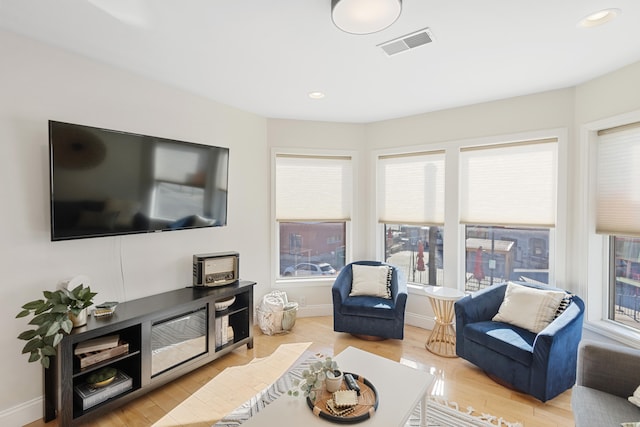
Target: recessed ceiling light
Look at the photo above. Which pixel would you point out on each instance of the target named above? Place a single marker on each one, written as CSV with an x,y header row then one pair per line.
x,y
599,18
316,95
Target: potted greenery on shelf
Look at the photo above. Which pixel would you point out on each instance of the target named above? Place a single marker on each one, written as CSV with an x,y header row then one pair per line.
x,y
53,318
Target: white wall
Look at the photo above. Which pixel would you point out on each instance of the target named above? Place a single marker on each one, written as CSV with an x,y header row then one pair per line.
x,y
546,110
612,94
39,83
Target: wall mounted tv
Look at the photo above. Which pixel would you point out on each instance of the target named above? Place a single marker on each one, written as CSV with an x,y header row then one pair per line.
x,y
106,183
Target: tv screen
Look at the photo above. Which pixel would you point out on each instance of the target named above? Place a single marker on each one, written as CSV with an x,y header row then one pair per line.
x,y
105,183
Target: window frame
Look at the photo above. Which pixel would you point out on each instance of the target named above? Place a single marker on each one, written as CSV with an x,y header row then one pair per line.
x,y
323,281
454,231
384,216
594,249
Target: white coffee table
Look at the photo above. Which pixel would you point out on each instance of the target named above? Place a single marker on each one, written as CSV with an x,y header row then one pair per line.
x,y
400,388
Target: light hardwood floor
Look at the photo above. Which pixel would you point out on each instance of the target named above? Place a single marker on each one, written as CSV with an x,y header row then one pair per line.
x,y
461,382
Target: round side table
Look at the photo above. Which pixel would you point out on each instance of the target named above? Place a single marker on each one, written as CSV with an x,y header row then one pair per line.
x,y
442,340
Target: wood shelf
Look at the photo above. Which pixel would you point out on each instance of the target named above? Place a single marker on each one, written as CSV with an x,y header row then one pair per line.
x,y
133,321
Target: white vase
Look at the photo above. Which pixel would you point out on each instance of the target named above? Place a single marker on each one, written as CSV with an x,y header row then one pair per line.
x,y
333,383
80,319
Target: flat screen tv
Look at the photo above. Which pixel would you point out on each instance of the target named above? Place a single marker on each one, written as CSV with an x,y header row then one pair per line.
x,y
107,183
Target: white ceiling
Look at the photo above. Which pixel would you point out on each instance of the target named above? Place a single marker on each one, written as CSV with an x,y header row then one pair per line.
x,y
265,56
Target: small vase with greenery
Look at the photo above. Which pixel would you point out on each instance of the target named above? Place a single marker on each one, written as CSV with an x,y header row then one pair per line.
x,y
52,321
313,378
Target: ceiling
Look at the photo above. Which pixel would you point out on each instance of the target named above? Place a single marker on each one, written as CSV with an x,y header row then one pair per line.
x,y
265,56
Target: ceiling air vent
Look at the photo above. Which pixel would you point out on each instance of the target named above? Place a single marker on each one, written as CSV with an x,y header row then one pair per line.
x,y
407,42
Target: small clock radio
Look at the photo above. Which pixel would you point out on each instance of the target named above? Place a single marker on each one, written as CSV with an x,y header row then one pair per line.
x,y
216,269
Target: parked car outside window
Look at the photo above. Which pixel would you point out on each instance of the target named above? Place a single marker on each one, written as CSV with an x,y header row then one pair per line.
x,y
310,269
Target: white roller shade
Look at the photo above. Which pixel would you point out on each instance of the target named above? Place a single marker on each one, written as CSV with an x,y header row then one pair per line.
x,y
310,188
509,184
411,188
618,181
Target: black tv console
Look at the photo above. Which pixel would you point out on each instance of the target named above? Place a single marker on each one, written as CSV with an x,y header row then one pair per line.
x,y
134,321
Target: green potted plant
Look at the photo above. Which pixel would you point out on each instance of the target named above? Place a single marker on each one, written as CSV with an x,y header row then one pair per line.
x,y
313,378
53,318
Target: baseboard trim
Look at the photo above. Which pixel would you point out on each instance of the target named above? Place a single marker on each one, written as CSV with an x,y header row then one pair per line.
x,y
316,310
419,320
23,413
412,319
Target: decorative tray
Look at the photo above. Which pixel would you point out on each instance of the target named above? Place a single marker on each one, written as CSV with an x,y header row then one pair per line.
x,y
364,409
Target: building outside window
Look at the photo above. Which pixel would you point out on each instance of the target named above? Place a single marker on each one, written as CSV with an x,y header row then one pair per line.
x,y
499,254
313,212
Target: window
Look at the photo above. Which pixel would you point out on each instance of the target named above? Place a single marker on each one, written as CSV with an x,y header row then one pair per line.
x,y
411,210
625,281
416,251
311,248
313,209
498,254
617,213
508,206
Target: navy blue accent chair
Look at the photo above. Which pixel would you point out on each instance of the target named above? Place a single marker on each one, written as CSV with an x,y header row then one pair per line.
x,y
542,365
368,315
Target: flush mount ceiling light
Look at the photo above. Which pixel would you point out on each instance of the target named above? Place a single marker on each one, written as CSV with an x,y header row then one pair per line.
x,y
599,18
316,95
364,16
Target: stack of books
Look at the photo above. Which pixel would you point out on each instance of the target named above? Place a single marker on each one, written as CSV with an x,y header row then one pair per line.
x,y
88,395
100,349
221,325
105,309
224,331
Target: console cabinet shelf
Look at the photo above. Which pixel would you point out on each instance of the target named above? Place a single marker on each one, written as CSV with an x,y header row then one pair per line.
x,y
153,327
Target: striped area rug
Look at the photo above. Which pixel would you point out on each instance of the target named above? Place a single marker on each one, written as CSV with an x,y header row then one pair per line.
x,y
230,388
439,413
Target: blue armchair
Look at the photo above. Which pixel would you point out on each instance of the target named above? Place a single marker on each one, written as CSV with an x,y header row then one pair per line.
x,y
542,365
369,316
